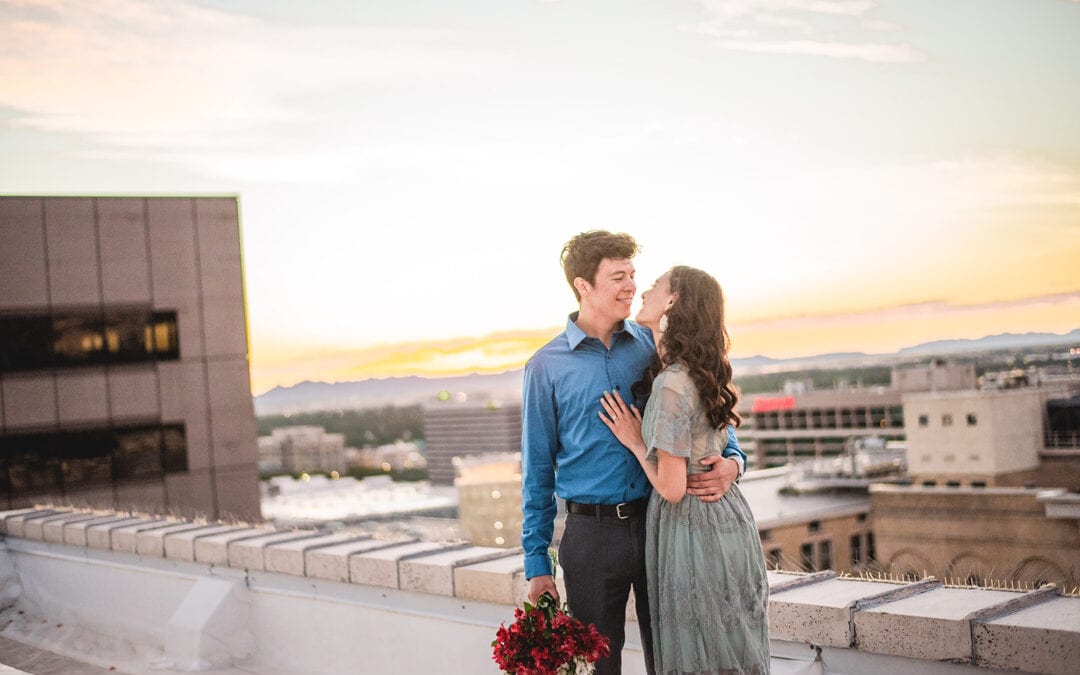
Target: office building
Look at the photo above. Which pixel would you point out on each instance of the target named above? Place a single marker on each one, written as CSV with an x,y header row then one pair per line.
x,y
124,379
300,449
803,424
489,498
460,429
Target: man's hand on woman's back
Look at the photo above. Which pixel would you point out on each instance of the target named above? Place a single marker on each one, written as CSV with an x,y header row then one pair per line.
x,y
712,485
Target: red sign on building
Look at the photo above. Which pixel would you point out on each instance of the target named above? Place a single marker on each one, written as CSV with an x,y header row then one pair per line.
x,y
772,403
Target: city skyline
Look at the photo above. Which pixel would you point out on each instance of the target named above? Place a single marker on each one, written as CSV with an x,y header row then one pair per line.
x,y
859,175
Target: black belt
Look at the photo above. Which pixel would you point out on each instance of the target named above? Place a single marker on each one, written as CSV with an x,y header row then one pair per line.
x,y
620,511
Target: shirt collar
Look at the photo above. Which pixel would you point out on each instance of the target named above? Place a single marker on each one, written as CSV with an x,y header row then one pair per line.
x,y
575,336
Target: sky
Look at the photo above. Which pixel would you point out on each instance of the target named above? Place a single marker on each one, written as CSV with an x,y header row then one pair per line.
x,y
859,175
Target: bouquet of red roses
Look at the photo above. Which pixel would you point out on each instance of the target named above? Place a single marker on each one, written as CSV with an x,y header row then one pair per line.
x,y
546,640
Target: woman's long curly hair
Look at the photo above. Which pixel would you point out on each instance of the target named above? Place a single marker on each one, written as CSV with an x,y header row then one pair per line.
x,y
697,338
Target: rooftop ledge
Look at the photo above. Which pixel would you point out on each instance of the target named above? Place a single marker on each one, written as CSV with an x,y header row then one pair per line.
x,y
137,593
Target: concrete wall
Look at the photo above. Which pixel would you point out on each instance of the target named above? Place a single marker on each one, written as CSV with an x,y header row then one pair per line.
x,y
178,596
998,534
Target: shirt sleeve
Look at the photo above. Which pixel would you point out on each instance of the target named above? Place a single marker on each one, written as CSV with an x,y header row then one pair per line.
x,y
674,417
539,442
733,450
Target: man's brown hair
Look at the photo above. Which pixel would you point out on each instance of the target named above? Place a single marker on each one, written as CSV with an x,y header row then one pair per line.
x,y
582,255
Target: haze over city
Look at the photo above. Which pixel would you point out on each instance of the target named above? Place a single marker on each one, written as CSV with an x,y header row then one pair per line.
x,y
859,175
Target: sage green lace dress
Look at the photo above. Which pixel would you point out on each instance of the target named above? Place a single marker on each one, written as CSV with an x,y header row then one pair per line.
x,y
706,571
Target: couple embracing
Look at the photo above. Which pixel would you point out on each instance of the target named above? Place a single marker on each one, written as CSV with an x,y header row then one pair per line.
x,y
631,423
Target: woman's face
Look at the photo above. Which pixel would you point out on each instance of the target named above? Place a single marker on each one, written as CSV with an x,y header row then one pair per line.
x,y
655,301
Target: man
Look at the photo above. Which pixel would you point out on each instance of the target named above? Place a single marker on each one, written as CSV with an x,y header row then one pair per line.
x,y
567,450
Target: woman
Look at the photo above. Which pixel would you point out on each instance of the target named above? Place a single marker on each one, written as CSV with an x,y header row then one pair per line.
x,y
706,570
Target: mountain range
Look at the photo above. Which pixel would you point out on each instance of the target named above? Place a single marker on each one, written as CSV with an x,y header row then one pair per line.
x,y
311,396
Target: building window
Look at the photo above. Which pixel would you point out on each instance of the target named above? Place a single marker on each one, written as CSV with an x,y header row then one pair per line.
x,y
765,535
871,554
859,418
978,483
845,418
776,555
952,483
861,517
857,550
814,526
86,338
806,553
946,420
825,555
924,420
972,419
55,462
929,483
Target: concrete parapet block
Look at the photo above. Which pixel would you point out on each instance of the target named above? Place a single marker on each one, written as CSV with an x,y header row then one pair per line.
x,y
491,581
289,557
1043,638
123,539
818,612
100,536
53,530
934,625
785,581
76,532
34,528
208,629
332,562
249,554
181,545
6,515
435,573
152,542
380,567
15,525
214,549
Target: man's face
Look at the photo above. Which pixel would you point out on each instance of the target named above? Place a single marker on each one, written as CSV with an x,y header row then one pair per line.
x,y
609,298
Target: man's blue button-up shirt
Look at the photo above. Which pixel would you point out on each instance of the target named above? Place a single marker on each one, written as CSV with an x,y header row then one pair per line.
x,y
565,448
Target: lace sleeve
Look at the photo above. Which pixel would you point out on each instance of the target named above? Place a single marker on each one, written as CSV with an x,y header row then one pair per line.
x,y
673,396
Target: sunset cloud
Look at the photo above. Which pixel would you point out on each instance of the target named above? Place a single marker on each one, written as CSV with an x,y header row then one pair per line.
x,y
202,87
804,27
